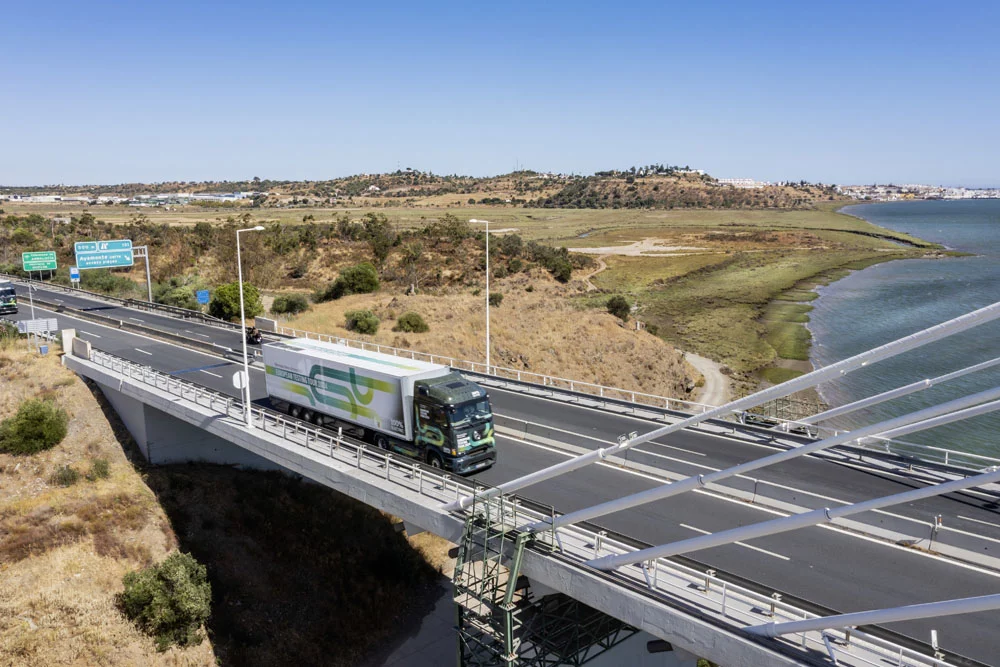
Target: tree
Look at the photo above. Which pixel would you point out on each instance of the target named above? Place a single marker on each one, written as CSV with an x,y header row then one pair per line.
x,y
37,425
412,252
169,601
225,303
619,307
291,304
381,236
358,279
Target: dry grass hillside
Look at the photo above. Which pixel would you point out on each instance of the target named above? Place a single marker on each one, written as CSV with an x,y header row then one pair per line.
x,y
539,331
64,550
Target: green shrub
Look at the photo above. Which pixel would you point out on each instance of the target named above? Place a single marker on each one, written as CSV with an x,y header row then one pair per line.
x,y
8,330
291,304
496,298
515,265
37,425
411,323
358,279
64,476
225,303
653,329
169,601
500,272
619,307
362,321
99,469
103,280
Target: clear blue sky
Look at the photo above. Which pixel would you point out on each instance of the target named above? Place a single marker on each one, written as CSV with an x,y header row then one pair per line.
x,y
95,92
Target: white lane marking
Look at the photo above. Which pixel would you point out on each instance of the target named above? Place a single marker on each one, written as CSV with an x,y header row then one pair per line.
x,y
143,351
90,334
210,373
742,544
195,333
767,510
987,523
136,319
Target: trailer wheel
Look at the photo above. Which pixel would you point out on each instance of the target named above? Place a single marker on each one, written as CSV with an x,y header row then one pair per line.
x,y
307,415
382,442
434,461
295,411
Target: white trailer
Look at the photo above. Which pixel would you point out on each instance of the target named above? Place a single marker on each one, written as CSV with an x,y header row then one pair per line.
x,y
369,389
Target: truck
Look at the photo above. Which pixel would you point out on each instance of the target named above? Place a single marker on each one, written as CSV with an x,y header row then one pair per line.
x,y
425,411
8,297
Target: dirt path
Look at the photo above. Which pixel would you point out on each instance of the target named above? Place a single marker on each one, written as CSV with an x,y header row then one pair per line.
x,y
601,266
716,389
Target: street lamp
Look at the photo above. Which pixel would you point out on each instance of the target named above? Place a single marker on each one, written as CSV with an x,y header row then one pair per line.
x,y
243,324
487,223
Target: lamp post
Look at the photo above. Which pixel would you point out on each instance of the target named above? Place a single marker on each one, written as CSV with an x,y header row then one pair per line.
x,y
243,324
487,223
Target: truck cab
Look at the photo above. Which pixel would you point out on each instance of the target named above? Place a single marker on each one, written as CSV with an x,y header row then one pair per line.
x,y
453,424
8,297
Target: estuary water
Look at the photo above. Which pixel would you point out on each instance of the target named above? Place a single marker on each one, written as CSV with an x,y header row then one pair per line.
x,y
887,301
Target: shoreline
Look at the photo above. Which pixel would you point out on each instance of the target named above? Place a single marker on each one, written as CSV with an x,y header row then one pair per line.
x,y
813,286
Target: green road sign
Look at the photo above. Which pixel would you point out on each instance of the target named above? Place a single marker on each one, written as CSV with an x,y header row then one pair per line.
x,y
39,261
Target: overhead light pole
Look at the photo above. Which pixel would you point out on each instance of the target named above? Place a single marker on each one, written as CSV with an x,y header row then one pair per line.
x,y
487,223
243,324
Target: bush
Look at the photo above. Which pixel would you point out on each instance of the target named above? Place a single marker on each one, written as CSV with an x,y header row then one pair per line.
x,y
225,303
103,280
362,321
619,307
8,330
515,265
291,304
358,279
653,329
36,426
64,476
411,323
99,469
169,601
496,298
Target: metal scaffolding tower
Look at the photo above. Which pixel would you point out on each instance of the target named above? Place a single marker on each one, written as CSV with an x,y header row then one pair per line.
x,y
500,622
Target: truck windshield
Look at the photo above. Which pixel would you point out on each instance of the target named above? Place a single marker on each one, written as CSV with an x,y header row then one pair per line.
x,y
470,411
7,293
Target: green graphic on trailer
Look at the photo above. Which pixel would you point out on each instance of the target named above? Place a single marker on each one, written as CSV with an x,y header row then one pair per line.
x,y
356,397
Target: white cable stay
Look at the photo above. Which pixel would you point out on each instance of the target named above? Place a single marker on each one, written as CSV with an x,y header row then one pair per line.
x,y
932,417
796,521
898,392
879,616
839,369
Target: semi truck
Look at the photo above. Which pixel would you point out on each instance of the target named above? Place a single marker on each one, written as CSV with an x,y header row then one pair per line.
x,y
8,297
421,410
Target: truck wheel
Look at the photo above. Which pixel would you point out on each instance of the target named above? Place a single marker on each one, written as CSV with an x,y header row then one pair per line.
x,y
434,461
382,442
295,411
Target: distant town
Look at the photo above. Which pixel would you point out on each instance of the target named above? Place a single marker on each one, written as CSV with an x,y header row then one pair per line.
x,y
905,192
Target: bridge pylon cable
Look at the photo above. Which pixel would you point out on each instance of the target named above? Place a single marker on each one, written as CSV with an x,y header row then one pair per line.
x,y
898,392
879,616
793,522
932,417
905,344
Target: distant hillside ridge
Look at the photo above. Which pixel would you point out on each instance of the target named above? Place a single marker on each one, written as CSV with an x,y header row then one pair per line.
x,y
649,187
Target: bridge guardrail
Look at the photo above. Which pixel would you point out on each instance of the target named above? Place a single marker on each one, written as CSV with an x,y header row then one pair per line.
x,y
667,581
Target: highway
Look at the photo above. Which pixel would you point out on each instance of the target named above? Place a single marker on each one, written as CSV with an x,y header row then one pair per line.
x,y
824,565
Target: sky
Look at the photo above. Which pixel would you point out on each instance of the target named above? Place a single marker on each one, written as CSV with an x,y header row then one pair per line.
x,y
845,93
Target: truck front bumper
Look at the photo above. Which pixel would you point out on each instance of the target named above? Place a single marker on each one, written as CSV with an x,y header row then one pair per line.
x,y
470,463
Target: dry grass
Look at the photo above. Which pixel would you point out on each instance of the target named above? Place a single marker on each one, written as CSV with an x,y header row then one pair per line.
x,y
64,550
539,331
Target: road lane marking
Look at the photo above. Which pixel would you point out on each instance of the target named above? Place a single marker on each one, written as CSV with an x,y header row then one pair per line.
x,y
210,373
90,334
987,523
136,319
143,351
742,544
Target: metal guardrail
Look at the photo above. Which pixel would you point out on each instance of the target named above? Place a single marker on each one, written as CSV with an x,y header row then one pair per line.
x,y
665,581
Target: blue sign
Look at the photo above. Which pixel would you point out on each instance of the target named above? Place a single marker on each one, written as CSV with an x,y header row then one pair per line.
x,y
202,295
74,274
101,246
104,260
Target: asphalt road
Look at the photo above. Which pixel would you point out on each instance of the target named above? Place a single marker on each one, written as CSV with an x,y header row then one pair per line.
x,y
827,566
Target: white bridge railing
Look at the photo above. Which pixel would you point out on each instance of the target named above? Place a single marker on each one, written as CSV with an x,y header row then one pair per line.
x,y
665,581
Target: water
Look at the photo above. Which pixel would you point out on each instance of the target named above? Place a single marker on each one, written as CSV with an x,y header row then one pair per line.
x,y
887,301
